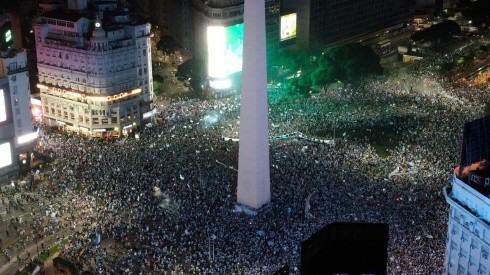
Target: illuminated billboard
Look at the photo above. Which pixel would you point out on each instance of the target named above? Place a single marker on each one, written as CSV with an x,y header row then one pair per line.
x,y
6,36
225,50
6,155
288,26
3,108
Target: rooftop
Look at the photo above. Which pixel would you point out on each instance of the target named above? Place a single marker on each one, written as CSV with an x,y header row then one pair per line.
x,y
66,15
474,168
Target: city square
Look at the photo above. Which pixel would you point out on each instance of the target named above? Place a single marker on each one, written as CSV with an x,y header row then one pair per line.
x,y
159,196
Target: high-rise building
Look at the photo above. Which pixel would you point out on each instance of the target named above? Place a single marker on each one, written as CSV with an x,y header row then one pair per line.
x,y
17,135
180,22
468,237
172,18
157,11
94,68
322,22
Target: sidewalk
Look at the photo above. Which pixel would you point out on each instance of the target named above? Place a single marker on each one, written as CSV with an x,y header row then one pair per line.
x,y
14,265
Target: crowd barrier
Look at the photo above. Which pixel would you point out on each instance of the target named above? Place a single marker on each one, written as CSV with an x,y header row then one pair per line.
x,y
294,135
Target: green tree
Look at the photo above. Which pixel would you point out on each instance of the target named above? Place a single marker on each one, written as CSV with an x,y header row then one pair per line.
x,y
477,11
191,68
324,76
157,87
167,45
291,61
439,33
346,63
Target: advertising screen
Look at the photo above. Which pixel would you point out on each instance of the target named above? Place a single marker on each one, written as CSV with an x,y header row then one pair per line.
x,y
6,36
6,155
3,108
225,50
288,26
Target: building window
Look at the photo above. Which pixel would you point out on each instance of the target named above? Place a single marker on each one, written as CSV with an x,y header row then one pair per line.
x,y
484,253
461,269
463,253
482,269
453,245
474,244
13,66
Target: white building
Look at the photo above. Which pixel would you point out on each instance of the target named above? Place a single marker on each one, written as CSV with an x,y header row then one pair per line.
x,y
468,239
94,63
17,136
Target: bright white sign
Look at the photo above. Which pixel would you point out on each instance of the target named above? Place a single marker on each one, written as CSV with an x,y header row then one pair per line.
x,y
3,112
6,155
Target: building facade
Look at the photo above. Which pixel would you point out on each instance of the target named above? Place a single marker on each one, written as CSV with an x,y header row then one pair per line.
x,y
94,67
157,10
180,22
227,13
468,237
323,22
17,135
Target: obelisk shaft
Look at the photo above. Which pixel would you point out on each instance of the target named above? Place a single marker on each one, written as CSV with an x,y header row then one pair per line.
x,y
253,158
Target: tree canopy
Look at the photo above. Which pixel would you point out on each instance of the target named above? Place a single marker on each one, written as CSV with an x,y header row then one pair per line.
x,y
439,33
346,63
294,60
477,11
167,45
192,68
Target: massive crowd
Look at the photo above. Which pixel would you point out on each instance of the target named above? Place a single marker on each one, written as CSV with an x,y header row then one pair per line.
x,y
164,203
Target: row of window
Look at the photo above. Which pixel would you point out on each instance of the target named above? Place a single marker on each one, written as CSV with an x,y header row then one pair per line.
x,y
462,270
18,120
95,120
113,60
52,110
62,23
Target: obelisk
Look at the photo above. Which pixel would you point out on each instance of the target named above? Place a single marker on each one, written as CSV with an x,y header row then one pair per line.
x,y
253,188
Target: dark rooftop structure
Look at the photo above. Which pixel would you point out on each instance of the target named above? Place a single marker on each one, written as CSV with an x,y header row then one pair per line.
x,y
346,248
476,141
474,167
67,15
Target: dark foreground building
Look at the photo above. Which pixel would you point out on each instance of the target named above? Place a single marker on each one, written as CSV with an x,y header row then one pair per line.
x,y
346,248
